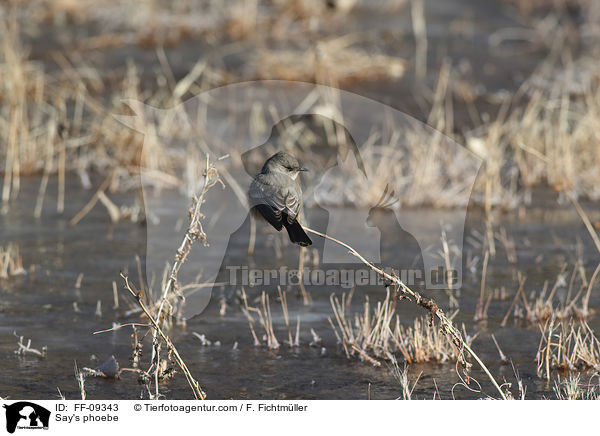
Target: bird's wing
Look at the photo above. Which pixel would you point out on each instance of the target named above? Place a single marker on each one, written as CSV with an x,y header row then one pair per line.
x,y
270,215
292,204
282,200
266,194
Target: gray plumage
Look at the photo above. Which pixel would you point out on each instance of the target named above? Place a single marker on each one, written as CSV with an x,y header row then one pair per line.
x,y
277,197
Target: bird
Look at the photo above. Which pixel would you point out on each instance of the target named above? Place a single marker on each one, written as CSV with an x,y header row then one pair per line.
x,y
276,196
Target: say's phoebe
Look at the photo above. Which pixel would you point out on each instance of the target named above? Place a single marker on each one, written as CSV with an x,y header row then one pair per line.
x,y
276,195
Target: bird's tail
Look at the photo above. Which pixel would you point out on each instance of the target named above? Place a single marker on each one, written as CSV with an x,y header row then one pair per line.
x,y
297,233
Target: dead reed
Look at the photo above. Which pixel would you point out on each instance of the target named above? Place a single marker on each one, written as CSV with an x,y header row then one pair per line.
x,y
11,263
26,348
159,371
80,377
161,317
265,319
572,388
543,305
445,325
567,347
377,334
541,136
401,376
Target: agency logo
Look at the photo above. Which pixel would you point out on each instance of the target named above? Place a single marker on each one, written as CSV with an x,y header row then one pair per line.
x,y
26,415
367,165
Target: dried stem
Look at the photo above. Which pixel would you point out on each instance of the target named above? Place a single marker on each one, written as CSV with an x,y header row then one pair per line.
x,y
198,392
194,233
446,325
90,204
585,219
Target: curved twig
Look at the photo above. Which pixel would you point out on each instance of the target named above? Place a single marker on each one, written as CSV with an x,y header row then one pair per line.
x,y
446,325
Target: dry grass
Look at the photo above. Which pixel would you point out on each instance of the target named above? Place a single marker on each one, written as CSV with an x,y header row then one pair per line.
x,y
401,376
330,62
567,347
263,313
572,388
547,141
61,124
11,263
377,334
26,348
543,305
159,310
162,370
37,136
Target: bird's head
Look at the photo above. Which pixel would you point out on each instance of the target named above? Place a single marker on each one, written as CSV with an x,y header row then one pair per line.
x,y
283,162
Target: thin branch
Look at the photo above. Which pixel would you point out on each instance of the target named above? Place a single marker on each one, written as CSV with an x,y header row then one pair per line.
x,y
198,392
446,325
194,233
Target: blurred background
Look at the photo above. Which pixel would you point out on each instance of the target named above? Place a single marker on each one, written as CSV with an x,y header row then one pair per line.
x,y
516,82
509,79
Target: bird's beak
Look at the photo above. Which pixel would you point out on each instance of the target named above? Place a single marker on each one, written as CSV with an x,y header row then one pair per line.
x,y
303,169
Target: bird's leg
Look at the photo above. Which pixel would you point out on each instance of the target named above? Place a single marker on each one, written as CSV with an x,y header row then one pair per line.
x,y
301,259
252,238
